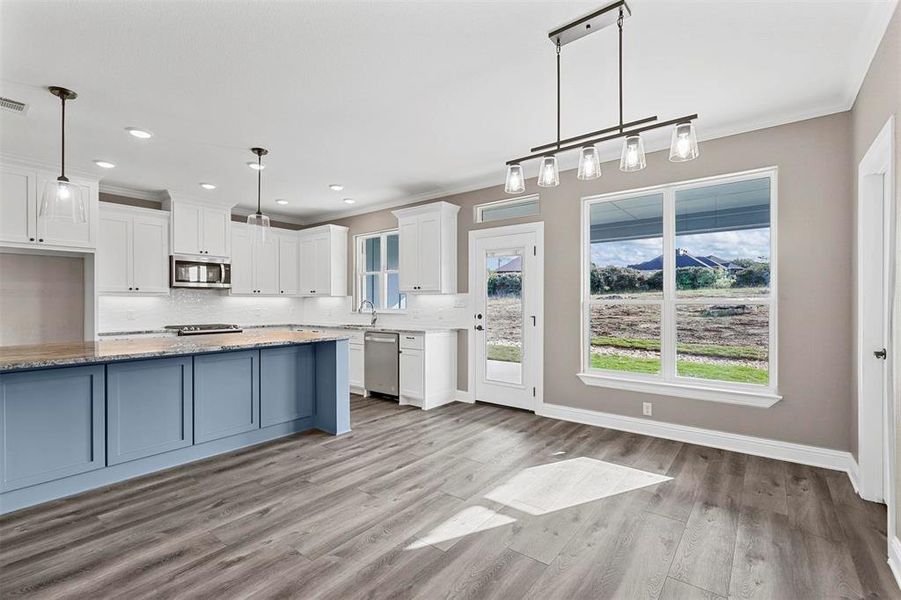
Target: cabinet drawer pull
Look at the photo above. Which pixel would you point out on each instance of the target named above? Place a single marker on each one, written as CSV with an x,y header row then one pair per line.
x,y
30,239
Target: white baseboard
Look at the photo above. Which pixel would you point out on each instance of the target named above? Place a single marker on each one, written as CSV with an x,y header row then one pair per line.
x,y
798,453
464,396
854,475
894,559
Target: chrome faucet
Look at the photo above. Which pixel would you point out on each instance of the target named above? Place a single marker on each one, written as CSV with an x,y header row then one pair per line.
x,y
375,315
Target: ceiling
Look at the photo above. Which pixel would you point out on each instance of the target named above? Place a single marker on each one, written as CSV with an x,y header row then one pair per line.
x,y
398,101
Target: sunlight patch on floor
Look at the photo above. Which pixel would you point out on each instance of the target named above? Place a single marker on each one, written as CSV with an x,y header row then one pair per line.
x,y
465,522
555,486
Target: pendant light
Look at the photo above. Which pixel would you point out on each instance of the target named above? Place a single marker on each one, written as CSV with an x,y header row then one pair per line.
x,y
62,201
258,219
684,144
589,164
633,158
515,182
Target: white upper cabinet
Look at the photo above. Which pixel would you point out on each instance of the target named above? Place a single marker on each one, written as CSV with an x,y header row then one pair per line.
x,y
288,264
199,228
323,261
133,250
21,226
255,266
427,235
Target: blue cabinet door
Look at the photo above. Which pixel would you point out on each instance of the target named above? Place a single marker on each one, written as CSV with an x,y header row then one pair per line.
x,y
149,407
287,384
51,425
226,394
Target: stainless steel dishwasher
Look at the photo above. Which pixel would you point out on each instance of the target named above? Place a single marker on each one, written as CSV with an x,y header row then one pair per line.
x,y
381,356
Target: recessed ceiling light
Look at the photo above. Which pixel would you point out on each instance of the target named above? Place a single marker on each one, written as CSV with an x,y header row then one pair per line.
x,y
349,201
208,186
336,187
141,134
255,166
104,164
282,202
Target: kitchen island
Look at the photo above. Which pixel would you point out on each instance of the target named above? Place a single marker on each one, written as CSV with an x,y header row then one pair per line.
x,y
77,416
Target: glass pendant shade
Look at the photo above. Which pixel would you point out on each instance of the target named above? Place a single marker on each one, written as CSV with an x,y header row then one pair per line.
x,y
684,145
633,158
63,201
261,226
589,164
548,173
515,183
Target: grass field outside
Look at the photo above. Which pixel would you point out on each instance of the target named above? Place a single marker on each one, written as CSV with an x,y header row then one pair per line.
x,y
717,371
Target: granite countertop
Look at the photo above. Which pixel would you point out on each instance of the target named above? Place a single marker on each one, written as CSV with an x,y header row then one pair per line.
x,y
348,326
14,358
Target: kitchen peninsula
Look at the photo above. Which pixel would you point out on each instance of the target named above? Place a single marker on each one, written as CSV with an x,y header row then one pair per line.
x,y
77,416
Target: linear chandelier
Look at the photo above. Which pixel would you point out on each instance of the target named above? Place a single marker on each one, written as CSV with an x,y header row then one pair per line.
x,y
683,147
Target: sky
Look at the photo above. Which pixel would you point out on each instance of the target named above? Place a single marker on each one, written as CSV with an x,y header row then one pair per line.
x,y
730,245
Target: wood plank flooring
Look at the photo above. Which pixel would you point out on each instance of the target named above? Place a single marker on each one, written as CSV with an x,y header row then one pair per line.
x,y
458,502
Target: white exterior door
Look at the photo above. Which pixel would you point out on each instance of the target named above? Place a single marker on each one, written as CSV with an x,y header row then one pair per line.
x,y
150,252
506,287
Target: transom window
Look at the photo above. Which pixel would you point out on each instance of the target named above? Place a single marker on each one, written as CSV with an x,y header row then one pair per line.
x,y
376,271
679,288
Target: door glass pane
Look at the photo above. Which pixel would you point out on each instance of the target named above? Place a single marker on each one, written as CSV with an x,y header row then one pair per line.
x,y
373,251
627,248
372,289
625,337
723,239
504,319
396,300
725,342
392,252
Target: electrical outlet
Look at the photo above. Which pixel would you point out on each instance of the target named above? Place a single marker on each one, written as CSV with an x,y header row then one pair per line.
x,y
647,409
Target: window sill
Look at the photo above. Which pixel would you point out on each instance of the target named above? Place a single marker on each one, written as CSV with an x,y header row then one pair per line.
x,y
761,399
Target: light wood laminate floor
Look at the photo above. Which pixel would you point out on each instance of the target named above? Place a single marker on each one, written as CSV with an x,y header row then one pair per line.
x,y
464,502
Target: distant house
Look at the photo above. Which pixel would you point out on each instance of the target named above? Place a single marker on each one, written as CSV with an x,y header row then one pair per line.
x,y
684,258
514,266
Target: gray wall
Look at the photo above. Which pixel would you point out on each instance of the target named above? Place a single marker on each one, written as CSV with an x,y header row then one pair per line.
x,y
815,209
41,299
880,97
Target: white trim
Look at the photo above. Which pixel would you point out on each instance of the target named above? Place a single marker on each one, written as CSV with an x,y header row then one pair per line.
x,y
854,476
874,451
697,391
359,244
133,193
536,227
668,381
816,456
479,209
894,558
463,396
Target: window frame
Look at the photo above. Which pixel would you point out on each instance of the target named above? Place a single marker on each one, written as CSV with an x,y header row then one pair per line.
x,y
479,209
360,271
668,382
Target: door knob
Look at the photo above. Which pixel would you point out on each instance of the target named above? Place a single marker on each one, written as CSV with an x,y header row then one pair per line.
x,y
880,354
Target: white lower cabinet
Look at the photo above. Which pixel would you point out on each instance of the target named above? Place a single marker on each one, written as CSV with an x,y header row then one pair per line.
x,y
356,366
412,372
428,368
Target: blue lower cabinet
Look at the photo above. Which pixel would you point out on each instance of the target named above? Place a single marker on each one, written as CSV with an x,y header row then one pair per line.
x,y
149,408
287,384
226,394
51,425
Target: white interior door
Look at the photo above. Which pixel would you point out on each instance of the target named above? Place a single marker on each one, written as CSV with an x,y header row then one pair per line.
x,y
506,288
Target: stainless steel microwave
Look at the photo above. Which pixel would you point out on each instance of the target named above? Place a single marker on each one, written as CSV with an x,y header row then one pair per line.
x,y
199,272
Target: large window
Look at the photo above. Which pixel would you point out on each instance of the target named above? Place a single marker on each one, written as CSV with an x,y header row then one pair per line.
x,y
679,289
376,271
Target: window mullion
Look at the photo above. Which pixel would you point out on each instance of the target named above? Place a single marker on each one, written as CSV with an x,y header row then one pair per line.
x,y
668,312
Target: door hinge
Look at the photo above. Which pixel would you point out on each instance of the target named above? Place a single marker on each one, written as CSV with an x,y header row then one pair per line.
x,y
881,354
534,250
533,392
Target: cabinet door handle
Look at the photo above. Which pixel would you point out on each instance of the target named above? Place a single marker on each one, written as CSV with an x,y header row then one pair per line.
x,y
137,289
30,239
40,239
129,289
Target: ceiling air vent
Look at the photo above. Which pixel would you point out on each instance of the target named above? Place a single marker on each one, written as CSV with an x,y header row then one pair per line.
x,y
13,105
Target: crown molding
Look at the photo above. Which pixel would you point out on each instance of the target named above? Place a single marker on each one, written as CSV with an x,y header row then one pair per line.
x,y
129,192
